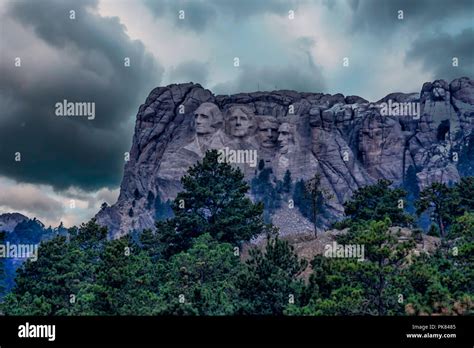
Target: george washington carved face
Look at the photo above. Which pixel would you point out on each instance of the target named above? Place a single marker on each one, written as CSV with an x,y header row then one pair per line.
x,y
240,121
207,118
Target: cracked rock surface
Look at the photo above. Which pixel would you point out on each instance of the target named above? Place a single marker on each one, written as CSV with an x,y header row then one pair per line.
x,y
348,140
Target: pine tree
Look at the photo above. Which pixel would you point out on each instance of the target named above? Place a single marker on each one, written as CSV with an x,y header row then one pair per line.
x,y
287,182
212,201
465,191
442,202
201,280
124,284
443,283
43,287
316,195
377,202
301,199
466,157
270,282
350,286
46,286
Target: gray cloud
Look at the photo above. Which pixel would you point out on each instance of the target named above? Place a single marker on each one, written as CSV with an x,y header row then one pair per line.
x,y
190,71
304,75
436,54
32,200
293,77
200,13
197,13
79,60
380,16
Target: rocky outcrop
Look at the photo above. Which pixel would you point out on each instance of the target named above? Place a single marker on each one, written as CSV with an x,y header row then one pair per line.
x,y
307,246
9,221
349,141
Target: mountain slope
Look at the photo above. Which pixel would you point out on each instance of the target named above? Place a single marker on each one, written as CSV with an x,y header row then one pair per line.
x,y
349,141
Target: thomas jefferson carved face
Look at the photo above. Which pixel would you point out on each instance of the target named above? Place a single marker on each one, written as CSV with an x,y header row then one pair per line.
x,y
268,131
240,121
207,118
285,137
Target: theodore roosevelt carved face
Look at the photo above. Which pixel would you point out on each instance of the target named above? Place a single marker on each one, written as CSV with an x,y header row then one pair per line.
x,y
267,131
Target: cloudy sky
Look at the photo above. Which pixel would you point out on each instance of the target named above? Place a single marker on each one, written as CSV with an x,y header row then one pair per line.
x,y
77,161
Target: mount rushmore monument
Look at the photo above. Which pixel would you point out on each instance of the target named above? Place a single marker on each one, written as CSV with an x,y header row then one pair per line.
x,y
349,141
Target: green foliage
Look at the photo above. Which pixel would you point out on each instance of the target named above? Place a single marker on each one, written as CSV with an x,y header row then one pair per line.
x,y
45,286
270,280
466,157
121,284
266,192
316,195
204,276
150,243
29,231
461,251
433,231
464,227
309,197
465,192
286,185
190,264
214,202
347,286
439,285
161,209
442,202
302,200
377,202
287,182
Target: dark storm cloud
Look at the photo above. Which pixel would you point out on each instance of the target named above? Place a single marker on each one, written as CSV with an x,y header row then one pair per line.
x,y
199,13
436,54
79,60
304,75
380,16
190,71
253,79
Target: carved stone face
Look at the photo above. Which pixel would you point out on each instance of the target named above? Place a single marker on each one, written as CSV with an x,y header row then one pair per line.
x,y
285,137
207,116
239,123
268,132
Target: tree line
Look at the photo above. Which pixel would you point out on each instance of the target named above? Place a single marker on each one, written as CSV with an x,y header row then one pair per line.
x,y
193,262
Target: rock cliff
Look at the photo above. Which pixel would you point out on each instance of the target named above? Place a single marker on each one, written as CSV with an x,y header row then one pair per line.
x,y
350,141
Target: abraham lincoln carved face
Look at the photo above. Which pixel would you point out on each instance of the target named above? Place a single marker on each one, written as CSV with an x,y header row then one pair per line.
x,y
285,137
